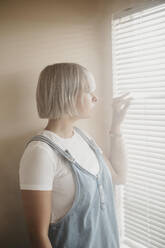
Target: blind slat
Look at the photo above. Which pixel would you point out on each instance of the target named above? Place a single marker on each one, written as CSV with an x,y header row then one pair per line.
x,y
144,228
138,53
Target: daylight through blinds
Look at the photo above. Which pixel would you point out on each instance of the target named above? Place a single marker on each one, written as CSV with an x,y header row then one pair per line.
x,y
138,49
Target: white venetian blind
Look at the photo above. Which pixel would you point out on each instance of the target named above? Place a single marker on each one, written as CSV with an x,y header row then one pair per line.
x,y
138,48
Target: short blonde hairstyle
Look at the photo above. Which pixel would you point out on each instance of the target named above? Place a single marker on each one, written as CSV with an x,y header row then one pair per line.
x,y
59,86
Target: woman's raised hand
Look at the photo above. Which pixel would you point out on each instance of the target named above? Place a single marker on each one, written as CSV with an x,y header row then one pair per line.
x,y
119,107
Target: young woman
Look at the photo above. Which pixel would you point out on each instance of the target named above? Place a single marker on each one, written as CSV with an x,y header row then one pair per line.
x,y
66,182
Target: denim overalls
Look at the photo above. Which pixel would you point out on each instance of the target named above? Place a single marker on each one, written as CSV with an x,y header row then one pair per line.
x,y
91,221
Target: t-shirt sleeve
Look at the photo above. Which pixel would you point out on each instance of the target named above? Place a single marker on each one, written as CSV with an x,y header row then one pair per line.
x,y
36,170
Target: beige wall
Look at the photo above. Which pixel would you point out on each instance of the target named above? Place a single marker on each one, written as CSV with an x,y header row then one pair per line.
x,y
34,34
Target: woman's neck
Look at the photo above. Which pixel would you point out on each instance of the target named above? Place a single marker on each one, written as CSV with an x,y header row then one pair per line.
x,y
63,127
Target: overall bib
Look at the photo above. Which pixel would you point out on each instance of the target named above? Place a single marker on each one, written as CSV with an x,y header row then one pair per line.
x,y
91,221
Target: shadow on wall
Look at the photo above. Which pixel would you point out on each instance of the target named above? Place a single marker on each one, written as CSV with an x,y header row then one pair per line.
x,y
13,231
13,96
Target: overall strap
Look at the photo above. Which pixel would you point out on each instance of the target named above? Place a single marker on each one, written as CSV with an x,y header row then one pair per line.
x,y
65,153
42,138
90,141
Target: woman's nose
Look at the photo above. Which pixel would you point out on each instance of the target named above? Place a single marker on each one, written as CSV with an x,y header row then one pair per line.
x,y
95,98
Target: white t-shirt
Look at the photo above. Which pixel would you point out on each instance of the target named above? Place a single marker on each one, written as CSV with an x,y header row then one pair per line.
x,y
42,168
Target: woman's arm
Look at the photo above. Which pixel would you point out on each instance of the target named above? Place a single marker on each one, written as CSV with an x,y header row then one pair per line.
x,y
118,153
117,160
37,209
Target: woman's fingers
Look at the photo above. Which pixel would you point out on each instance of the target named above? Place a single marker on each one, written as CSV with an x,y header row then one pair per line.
x,y
122,101
122,96
126,107
125,94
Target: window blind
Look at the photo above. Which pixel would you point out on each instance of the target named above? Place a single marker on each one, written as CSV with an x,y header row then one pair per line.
x,y
138,63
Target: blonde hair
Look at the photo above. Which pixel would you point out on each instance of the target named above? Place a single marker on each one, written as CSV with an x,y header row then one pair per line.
x,y
59,86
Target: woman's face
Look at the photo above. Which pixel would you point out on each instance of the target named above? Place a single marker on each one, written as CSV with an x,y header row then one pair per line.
x,y
89,99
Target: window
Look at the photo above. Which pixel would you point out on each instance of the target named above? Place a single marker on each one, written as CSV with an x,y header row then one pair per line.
x,y
138,56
